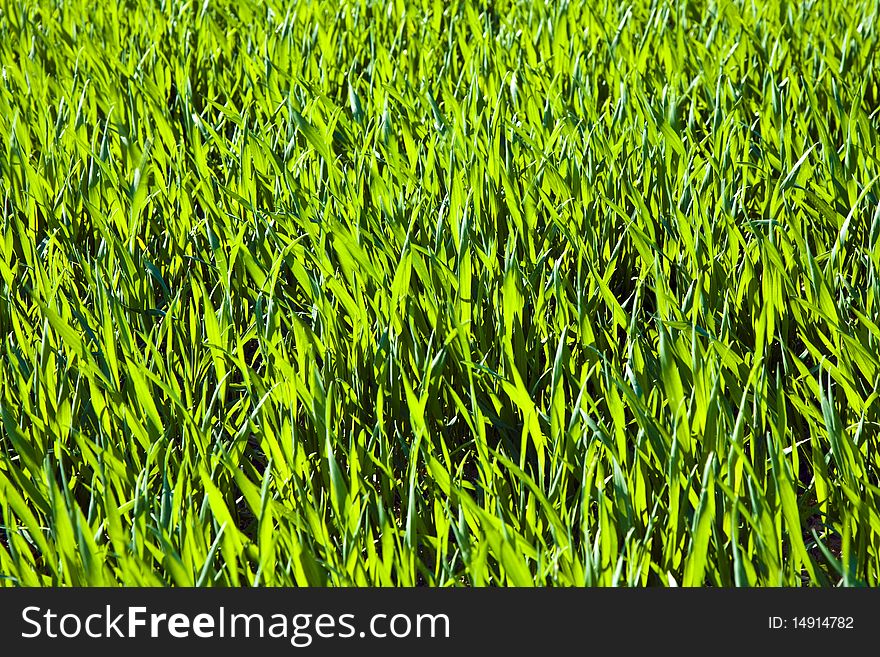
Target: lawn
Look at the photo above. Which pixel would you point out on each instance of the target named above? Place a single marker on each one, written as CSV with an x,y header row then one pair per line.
x,y
445,293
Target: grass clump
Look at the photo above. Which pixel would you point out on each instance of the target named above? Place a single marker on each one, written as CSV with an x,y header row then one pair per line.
x,y
444,293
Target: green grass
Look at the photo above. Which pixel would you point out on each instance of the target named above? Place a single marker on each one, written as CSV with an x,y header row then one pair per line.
x,y
465,293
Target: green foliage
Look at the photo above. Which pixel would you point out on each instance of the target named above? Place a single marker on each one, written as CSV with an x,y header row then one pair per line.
x,y
446,293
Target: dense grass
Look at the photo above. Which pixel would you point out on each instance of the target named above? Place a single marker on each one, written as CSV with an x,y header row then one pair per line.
x,y
465,293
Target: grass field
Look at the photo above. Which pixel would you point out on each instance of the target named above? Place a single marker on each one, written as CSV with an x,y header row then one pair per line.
x,y
442,293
